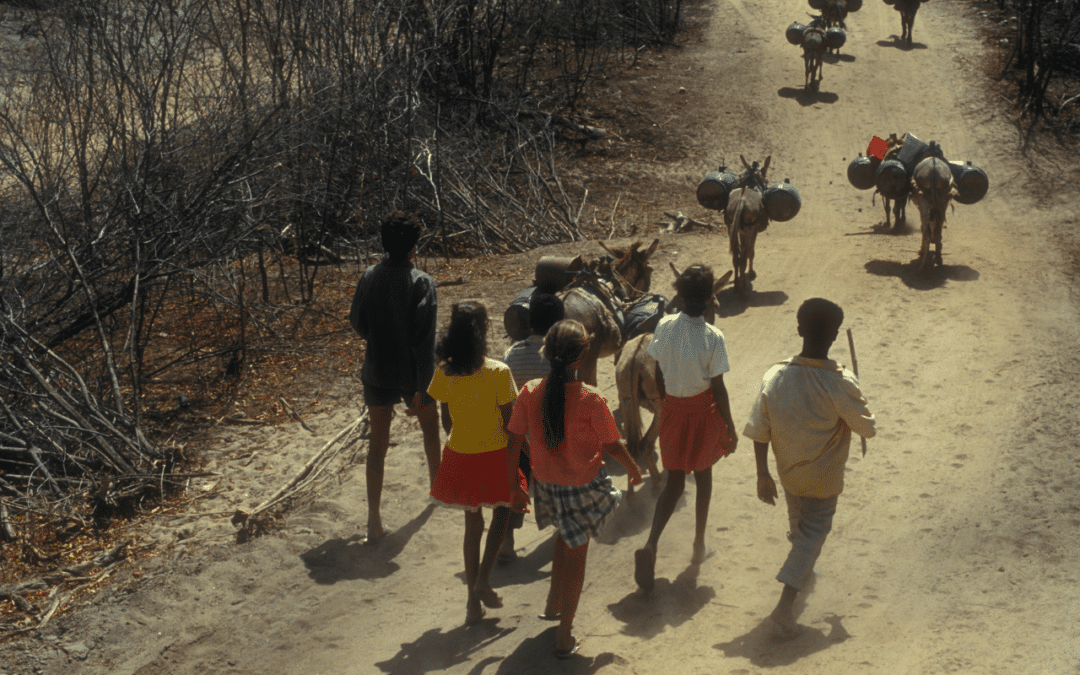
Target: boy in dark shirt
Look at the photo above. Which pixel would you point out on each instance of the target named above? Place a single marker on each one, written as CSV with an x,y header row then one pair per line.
x,y
395,309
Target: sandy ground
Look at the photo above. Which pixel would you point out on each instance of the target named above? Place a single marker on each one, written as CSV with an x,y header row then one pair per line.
x,y
954,545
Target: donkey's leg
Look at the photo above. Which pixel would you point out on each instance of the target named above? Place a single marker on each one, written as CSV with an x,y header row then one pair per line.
x,y
587,369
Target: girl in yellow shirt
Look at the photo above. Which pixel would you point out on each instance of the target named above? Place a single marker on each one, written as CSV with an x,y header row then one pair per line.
x,y
477,395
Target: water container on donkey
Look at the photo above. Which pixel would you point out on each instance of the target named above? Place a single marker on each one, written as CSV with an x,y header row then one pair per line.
x,y
860,172
714,189
782,201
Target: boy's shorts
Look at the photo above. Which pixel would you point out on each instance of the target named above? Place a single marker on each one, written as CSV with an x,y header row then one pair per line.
x,y
375,397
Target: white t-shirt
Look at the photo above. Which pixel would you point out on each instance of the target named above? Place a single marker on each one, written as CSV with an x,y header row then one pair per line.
x,y
690,353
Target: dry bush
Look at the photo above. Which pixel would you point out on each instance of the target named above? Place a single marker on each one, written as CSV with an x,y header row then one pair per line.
x,y
177,175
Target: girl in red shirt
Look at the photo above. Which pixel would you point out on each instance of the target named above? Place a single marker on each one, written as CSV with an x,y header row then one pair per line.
x,y
569,428
476,469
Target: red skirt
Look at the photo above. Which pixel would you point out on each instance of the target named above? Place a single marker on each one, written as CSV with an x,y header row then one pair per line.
x,y
473,480
693,435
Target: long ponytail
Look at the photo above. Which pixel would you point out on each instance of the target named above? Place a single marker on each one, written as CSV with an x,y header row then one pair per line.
x,y
564,344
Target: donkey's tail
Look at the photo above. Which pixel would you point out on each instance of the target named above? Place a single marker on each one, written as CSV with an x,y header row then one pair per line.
x,y
736,225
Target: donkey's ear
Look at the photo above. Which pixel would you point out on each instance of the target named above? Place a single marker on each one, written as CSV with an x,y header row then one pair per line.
x,y
652,248
766,167
675,270
719,284
745,165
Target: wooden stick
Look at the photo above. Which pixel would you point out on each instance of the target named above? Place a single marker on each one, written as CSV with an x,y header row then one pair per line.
x,y
855,369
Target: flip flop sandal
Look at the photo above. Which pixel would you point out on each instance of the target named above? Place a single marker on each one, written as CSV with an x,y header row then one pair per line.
x,y
490,598
367,540
561,654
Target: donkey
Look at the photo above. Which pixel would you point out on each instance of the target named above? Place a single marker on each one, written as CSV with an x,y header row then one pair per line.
x,y
834,12
813,50
594,299
907,9
637,376
893,145
932,189
745,216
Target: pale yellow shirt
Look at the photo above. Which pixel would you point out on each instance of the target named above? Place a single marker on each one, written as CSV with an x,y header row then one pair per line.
x,y
474,402
807,409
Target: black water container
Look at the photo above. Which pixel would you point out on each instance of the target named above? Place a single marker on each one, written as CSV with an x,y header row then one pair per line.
x,y
817,4
972,183
835,38
714,189
860,172
854,5
795,32
891,179
782,201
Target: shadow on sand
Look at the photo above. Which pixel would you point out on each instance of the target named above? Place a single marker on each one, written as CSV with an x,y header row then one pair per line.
x,y
670,603
806,98
836,58
635,512
765,650
537,655
913,278
895,43
435,650
731,305
348,559
881,228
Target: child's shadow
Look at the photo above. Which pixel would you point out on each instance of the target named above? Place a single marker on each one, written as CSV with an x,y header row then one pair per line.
x,y
348,559
537,655
763,649
435,650
670,603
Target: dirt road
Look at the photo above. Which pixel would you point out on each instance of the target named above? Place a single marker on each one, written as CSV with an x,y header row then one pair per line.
x,y
954,545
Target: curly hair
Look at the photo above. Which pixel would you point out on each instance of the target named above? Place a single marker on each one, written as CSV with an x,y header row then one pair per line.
x,y
695,285
819,318
463,346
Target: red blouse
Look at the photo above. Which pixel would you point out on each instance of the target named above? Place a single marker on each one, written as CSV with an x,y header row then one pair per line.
x,y
589,426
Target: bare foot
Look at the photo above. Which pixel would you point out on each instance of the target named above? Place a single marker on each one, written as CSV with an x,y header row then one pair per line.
x,y
474,611
702,552
783,624
488,596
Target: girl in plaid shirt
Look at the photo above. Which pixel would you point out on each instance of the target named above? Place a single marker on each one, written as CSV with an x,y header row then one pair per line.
x,y
569,428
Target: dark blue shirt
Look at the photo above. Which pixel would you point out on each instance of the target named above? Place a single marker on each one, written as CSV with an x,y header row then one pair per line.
x,y
395,310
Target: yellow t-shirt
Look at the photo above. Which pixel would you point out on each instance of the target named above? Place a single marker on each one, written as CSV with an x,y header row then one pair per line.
x,y
474,402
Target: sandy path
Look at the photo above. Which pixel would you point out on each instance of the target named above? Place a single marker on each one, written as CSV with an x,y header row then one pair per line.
x,y
953,548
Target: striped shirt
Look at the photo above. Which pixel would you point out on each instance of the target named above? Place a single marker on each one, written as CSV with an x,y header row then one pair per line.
x,y
525,361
